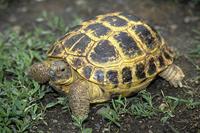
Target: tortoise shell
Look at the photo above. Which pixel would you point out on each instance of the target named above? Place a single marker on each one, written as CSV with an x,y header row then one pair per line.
x,y
115,49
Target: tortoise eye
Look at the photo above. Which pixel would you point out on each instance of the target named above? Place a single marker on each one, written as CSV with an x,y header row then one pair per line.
x,y
63,69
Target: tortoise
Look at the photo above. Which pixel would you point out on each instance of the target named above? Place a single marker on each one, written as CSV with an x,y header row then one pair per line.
x,y
112,54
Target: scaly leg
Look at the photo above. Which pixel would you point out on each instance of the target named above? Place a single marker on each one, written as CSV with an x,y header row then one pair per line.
x,y
79,99
174,75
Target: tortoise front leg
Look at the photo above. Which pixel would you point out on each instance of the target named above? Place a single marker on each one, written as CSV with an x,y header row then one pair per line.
x,y
79,99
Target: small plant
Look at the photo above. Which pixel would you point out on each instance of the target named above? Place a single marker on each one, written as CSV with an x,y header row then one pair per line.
x,y
196,52
79,123
171,103
110,114
168,108
142,105
120,105
60,101
190,103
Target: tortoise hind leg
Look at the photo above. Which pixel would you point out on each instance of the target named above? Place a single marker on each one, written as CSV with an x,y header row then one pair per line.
x,y
174,75
79,100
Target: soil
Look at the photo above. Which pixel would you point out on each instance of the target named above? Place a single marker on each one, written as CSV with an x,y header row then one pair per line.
x,y
175,22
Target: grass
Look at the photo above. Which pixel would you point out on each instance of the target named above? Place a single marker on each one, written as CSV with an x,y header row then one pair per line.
x,y
195,53
78,122
141,106
20,97
111,115
171,103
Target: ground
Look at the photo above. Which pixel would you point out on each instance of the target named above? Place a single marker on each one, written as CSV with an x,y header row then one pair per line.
x,y
172,110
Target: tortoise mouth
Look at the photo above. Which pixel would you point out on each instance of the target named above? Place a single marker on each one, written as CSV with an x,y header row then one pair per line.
x,y
63,81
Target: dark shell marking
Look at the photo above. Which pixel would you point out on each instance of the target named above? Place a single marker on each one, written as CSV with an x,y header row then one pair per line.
x,y
74,29
51,49
82,44
115,21
72,40
161,61
128,44
98,29
140,71
99,75
55,50
87,71
156,33
145,35
126,75
77,63
104,52
130,17
152,67
112,76
167,56
90,18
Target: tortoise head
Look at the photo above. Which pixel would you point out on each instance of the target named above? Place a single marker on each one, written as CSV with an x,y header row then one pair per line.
x,y
57,71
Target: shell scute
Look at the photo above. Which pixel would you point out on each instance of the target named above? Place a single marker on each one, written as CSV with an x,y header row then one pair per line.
x,y
81,45
112,76
115,21
161,61
145,35
151,66
127,44
130,17
56,51
68,43
87,71
140,71
126,75
104,52
99,76
97,29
